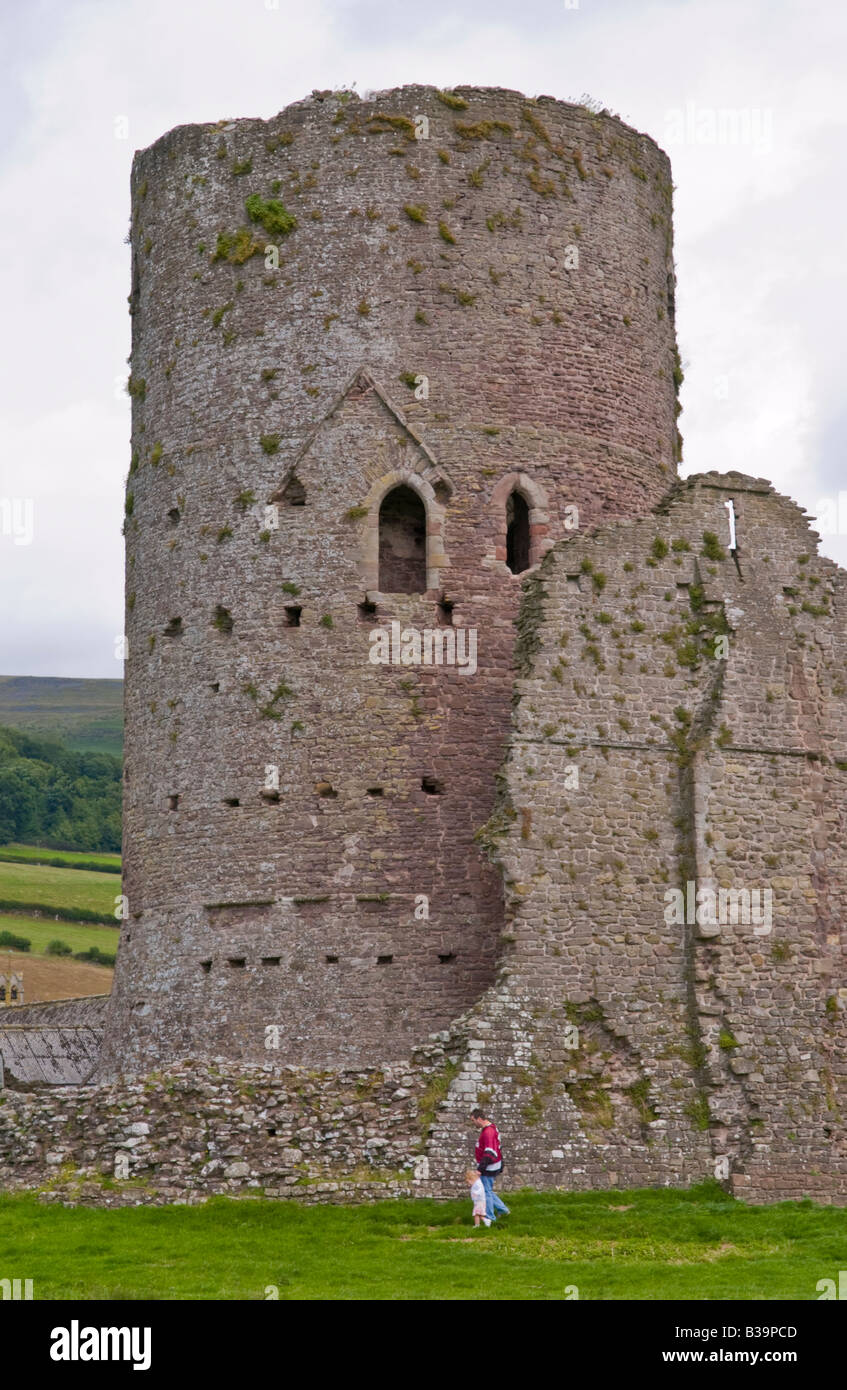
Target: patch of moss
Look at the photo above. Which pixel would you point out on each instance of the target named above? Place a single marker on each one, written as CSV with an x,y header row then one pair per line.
x,y
433,1097
594,1102
476,177
286,137
481,130
712,548
383,122
217,316
463,297
270,213
639,1094
236,247
697,1111
269,709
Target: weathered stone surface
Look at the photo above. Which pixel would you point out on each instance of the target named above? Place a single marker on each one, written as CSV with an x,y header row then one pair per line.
x,y
649,709
297,909
206,1128
646,753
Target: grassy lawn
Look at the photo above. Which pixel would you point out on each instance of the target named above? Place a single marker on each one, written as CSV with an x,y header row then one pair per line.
x,y
54,888
73,859
78,937
699,1244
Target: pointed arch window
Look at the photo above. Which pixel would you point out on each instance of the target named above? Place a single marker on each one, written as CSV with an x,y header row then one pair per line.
x,y
517,533
402,542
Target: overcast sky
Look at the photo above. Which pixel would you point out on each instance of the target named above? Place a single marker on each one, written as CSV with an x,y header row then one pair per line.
x,y
759,229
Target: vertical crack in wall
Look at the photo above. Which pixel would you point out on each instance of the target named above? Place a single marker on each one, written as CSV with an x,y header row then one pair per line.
x,y
809,732
704,1005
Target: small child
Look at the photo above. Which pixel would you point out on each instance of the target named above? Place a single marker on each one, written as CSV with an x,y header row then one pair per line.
x,y
477,1197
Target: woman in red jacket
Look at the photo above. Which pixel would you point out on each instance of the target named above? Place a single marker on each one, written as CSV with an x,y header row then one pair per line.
x,y
489,1161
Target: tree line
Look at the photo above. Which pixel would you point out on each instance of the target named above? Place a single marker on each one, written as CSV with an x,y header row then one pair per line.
x,y
51,795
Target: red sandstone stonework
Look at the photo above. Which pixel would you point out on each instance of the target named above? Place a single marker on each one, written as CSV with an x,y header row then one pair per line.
x,y
449,258
699,696
291,804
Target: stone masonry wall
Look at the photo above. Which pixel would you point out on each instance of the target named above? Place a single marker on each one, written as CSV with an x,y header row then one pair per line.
x,y
520,259
700,1050
284,1018
202,1129
698,694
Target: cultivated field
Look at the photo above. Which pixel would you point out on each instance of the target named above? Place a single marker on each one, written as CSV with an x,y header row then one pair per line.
x,y
53,977
39,900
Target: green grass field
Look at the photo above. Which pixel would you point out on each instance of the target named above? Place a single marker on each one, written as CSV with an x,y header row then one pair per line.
x,y
79,936
54,889
69,858
649,1245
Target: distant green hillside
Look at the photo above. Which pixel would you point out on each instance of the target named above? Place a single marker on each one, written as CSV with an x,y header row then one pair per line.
x,y
86,715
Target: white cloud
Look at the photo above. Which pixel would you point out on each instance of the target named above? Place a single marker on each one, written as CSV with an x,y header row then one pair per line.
x,y
761,296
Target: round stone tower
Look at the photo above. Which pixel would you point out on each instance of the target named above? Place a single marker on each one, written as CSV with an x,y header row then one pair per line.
x,y
385,352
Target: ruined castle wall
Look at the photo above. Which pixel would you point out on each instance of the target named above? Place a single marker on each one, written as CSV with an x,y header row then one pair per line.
x,y
207,1129
680,719
519,258
640,761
